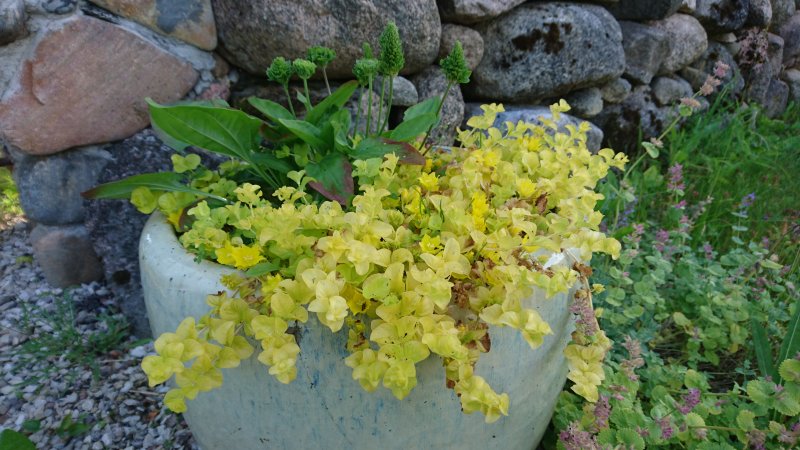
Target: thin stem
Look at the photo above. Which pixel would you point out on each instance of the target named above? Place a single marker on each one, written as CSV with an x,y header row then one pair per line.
x,y
308,97
379,123
289,98
369,109
438,111
385,123
358,111
325,76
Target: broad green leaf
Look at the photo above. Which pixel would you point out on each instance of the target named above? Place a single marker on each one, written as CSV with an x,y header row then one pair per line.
x,y
262,269
791,341
161,181
226,131
630,439
270,109
769,264
760,392
307,132
695,379
334,179
763,350
745,420
651,149
790,370
412,128
380,147
428,106
14,440
788,401
334,101
680,319
271,161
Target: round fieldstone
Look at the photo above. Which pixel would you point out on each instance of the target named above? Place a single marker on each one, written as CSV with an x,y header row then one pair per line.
x,y
622,122
616,90
431,82
782,10
687,41
759,14
644,10
65,254
471,11
668,90
790,32
252,33
719,16
50,187
543,50
404,92
585,103
471,42
646,47
12,21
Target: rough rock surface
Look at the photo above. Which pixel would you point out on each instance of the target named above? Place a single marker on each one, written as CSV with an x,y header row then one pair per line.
x,y
616,91
719,16
86,83
50,187
543,50
792,79
585,103
12,21
782,10
115,225
644,10
473,11
52,6
759,14
432,82
404,92
646,47
790,32
65,254
732,80
191,21
471,41
667,91
623,121
776,98
253,33
687,40
533,114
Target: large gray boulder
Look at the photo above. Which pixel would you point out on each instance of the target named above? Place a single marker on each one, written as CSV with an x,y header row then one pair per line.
x,y
471,42
473,11
534,114
545,50
790,32
644,10
782,10
252,33
623,122
760,13
646,47
687,41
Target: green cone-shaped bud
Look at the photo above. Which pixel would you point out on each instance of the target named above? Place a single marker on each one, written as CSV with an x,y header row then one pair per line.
x,y
321,56
391,59
365,69
304,68
280,71
367,50
455,66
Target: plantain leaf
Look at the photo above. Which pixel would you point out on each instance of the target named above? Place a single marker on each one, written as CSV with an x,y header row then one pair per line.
x,y
160,181
14,440
334,101
226,131
270,109
763,350
307,132
412,128
334,177
428,106
791,341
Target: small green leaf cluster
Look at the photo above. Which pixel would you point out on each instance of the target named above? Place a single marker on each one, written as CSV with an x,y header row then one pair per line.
x,y
426,259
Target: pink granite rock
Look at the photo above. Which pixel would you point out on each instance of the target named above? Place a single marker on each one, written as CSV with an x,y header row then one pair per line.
x,y
85,83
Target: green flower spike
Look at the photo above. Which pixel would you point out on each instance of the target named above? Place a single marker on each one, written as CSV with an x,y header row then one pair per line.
x,y
280,71
365,70
305,69
391,62
455,66
322,56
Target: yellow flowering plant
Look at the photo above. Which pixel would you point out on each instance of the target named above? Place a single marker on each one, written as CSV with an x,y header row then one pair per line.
x,y
410,253
424,259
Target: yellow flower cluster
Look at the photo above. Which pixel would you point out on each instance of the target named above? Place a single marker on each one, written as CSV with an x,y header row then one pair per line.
x,y
421,263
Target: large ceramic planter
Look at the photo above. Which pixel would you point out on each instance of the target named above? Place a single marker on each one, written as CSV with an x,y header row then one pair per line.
x,y
324,408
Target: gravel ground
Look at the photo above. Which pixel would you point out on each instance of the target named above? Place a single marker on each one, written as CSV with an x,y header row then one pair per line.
x,y
70,374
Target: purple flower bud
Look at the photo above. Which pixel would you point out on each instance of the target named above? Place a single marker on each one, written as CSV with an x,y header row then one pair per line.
x,y
690,401
676,178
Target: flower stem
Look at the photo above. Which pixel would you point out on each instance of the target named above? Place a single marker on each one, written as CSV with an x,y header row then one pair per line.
x,y
379,123
358,111
438,111
325,76
369,108
385,123
289,99
308,97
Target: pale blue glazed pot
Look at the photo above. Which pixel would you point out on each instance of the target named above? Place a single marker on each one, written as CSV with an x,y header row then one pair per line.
x,y
324,408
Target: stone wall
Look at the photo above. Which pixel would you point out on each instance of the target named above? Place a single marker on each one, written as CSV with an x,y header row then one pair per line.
x,y
74,76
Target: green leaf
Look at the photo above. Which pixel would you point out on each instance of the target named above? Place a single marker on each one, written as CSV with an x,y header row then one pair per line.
x,y
306,132
428,106
763,350
695,379
769,264
791,341
262,269
229,132
787,403
334,101
630,438
760,392
161,181
380,147
334,179
651,149
270,109
790,370
412,128
745,420
680,319
14,440
272,162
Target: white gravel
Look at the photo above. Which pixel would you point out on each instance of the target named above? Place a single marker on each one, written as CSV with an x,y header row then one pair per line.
x,y
117,407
